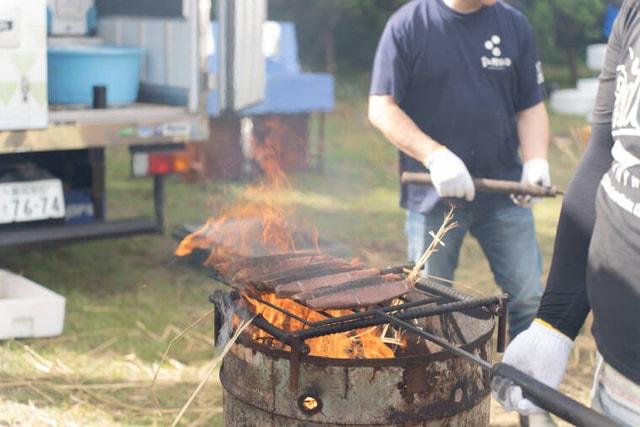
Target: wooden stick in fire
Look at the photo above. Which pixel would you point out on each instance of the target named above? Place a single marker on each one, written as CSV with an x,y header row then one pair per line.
x,y
484,185
447,225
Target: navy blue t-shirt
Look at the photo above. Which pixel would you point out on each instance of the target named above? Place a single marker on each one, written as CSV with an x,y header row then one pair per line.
x,y
461,78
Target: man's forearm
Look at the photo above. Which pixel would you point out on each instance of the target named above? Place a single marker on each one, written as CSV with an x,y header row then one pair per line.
x,y
399,129
533,131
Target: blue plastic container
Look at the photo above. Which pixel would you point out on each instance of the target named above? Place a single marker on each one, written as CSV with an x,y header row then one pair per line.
x,y
73,71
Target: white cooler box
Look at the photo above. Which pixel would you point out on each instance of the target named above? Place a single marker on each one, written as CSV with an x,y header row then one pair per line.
x,y
28,310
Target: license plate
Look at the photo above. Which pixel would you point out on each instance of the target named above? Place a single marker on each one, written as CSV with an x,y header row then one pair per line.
x,y
31,201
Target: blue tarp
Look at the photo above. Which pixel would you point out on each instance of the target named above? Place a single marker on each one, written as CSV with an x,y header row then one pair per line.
x,y
288,89
609,17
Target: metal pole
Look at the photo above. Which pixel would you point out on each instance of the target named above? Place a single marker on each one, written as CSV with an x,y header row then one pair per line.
x,y
158,201
539,393
322,122
434,338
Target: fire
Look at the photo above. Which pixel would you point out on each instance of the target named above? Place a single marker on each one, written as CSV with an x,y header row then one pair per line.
x,y
246,228
256,224
357,344
279,144
249,228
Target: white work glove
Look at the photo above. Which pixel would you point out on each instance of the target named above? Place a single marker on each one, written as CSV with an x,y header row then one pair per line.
x,y
449,175
534,172
541,352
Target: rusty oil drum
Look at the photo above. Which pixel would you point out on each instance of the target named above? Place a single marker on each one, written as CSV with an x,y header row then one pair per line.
x,y
425,390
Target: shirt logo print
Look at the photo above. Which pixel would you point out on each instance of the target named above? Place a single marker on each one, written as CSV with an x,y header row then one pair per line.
x,y
627,98
495,61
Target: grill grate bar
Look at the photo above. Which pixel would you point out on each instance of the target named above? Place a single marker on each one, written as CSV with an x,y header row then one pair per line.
x,y
365,314
298,272
373,320
310,273
283,311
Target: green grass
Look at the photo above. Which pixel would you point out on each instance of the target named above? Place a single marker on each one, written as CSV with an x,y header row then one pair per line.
x,y
127,298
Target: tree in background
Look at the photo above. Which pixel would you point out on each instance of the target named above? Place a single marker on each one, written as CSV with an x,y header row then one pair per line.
x,y
342,35
336,35
566,26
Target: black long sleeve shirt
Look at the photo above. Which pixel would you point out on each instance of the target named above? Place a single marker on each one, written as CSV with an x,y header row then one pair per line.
x,y
596,262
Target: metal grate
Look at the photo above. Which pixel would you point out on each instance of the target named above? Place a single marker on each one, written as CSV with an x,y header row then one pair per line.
x,y
436,299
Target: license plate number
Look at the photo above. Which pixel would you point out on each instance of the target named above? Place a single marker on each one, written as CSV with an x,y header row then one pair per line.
x,y
31,201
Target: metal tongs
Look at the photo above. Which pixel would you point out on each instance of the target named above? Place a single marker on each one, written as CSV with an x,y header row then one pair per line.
x,y
495,186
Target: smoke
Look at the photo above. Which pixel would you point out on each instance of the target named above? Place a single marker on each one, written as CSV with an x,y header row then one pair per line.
x,y
228,305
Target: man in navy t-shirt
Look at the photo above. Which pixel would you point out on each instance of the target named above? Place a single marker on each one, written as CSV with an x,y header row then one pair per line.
x,y
458,88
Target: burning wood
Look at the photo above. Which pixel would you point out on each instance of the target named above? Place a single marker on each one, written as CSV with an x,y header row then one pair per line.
x,y
320,263
276,269
361,293
352,286
310,273
372,296
232,266
331,280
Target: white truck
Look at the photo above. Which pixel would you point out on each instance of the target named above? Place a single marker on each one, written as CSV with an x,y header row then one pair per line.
x,y
62,102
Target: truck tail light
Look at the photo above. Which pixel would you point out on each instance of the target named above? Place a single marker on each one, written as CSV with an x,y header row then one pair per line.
x,y
159,163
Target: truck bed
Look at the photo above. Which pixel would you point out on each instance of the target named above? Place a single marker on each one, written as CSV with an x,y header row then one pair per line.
x,y
76,127
60,115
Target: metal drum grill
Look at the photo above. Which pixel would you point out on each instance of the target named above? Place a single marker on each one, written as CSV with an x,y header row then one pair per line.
x,y
440,376
279,382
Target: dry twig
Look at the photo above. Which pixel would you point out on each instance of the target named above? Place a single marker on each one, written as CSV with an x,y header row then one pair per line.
x,y
102,347
213,367
447,225
166,353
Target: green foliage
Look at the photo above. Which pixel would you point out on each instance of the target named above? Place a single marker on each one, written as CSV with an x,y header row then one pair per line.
x,y
340,34
563,28
566,23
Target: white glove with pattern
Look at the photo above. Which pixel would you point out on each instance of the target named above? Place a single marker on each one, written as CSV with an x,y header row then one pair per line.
x,y
541,352
449,174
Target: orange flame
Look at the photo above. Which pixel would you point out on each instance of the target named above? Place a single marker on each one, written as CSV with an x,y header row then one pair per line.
x,y
258,225
244,229
358,344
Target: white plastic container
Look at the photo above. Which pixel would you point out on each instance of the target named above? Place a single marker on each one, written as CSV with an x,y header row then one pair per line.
x,y
71,17
573,101
588,85
595,56
28,310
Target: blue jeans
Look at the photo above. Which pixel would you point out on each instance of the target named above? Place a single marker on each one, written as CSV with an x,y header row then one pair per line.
x,y
508,239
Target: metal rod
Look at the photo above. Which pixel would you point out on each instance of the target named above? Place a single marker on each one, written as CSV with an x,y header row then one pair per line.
x,y
552,400
502,328
407,315
158,200
444,290
434,338
539,393
484,185
365,314
282,310
322,121
286,338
